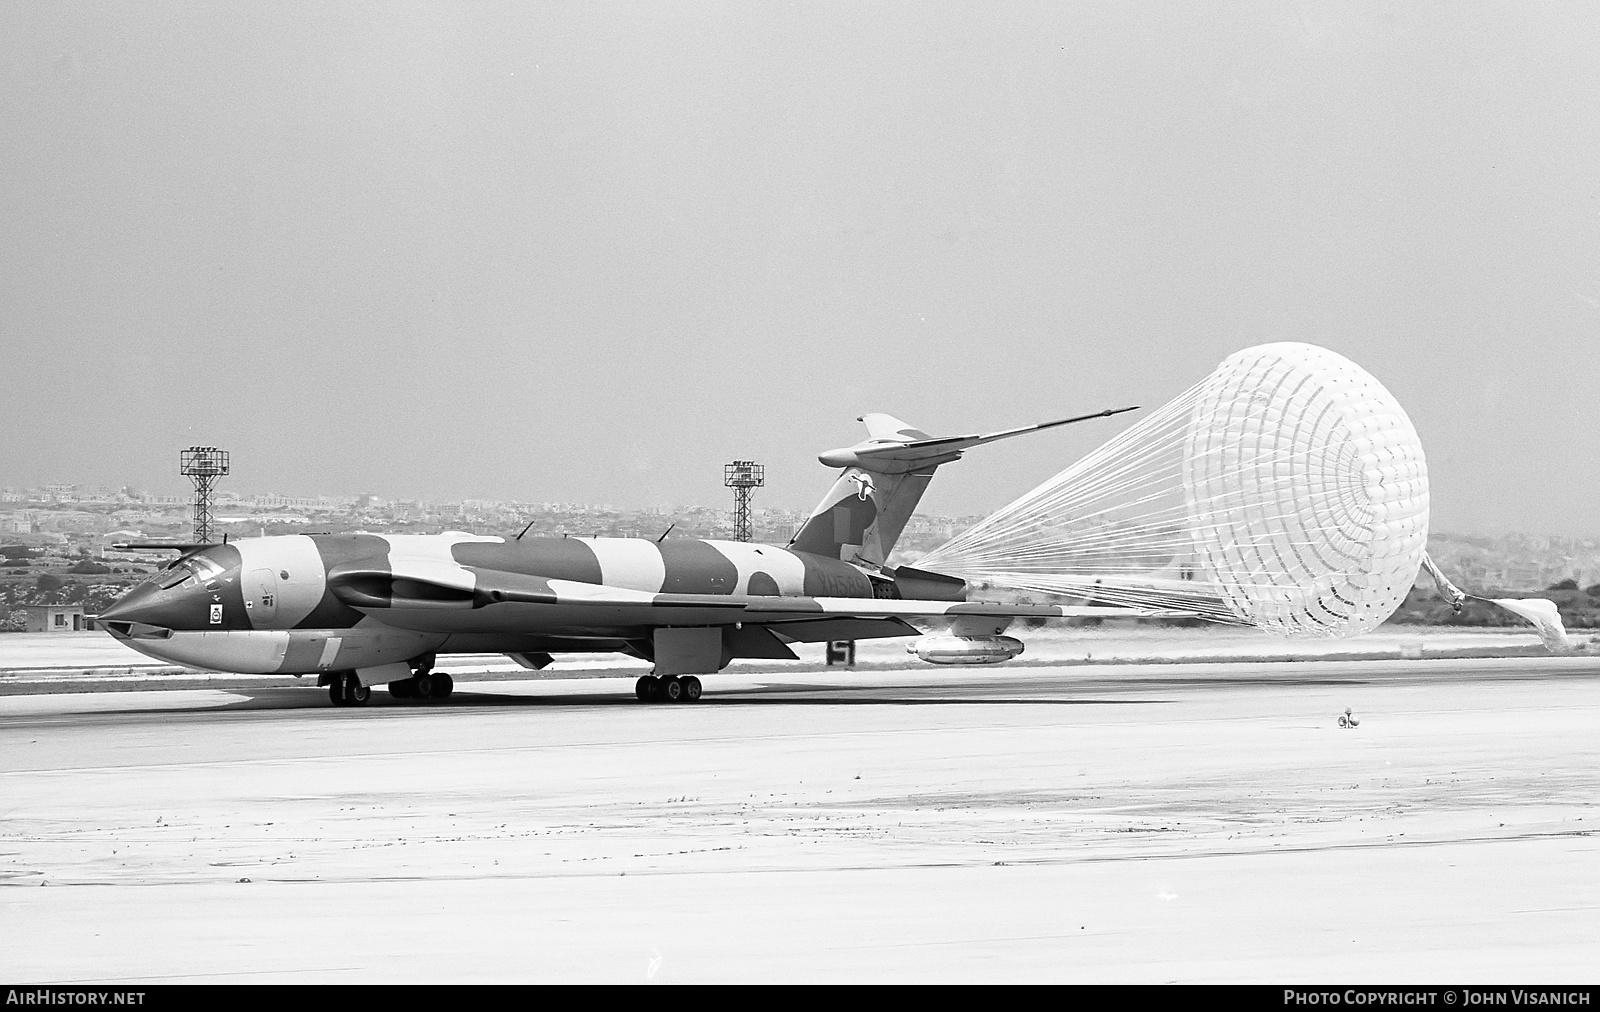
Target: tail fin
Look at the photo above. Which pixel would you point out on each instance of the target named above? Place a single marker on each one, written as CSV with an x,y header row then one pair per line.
x,y
861,517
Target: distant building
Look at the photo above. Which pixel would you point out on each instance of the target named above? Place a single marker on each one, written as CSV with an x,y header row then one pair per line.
x,y
38,539
57,618
272,500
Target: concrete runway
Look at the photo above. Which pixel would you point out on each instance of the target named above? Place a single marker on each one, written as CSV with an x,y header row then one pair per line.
x,y
1205,822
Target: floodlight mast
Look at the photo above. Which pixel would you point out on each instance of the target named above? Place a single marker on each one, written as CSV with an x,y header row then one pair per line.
x,y
203,465
742,476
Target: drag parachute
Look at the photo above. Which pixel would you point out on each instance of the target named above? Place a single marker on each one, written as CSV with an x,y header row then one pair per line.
x,y
1287,490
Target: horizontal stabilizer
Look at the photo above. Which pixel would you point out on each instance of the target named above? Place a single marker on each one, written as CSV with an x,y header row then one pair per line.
x,y
965,442
902,445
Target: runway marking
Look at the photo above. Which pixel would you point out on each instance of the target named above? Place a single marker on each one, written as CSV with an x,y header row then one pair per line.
x,y
258,716
96,981
493,750
814,868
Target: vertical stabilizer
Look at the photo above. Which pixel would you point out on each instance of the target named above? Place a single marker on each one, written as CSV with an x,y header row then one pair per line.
x,y
883,479
861,517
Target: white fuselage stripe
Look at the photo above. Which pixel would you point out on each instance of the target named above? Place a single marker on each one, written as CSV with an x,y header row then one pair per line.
x,y
297,577
629,563
785,568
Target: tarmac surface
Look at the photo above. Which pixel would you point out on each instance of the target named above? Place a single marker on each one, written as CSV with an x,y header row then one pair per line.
x,y
1161,822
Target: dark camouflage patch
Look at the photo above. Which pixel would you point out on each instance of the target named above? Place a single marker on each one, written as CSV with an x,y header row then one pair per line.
x,y
551,558
337,550
831,578
762,585
694,567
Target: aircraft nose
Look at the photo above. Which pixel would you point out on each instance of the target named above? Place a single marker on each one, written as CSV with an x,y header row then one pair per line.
x,y
149,604
141,604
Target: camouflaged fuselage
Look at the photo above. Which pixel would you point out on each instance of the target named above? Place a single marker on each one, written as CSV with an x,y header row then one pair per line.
x,y
374,604
307,603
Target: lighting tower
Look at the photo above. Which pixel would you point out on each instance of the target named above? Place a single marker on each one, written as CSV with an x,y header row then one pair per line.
x,y
203,465
742,476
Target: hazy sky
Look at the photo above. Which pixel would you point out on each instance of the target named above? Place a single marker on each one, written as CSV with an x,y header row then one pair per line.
x,y
591,251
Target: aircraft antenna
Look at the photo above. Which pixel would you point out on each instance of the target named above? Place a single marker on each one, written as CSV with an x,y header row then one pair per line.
x,y
203,465
742,476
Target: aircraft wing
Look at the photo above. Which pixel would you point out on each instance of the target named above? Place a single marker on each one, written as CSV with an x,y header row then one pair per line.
x,y
502,601
865,608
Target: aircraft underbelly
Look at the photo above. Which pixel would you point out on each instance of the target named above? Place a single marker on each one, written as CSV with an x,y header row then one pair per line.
x,y
235,650
307,651
313,650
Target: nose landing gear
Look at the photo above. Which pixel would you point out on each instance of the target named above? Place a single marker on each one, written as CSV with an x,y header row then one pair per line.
x,y
670,689
346,690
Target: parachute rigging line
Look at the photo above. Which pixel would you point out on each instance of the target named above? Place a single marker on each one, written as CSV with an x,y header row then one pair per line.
x,y
1288,490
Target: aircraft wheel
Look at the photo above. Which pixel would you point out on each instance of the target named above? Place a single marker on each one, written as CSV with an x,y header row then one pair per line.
x,y
422,686
645,688
401,689
443,686
346,690
671,690
691,689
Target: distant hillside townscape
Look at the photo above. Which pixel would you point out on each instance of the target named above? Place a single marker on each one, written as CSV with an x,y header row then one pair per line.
x,y
57,541
1516,561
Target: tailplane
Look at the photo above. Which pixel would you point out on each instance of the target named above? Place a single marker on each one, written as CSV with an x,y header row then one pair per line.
x,y
884,476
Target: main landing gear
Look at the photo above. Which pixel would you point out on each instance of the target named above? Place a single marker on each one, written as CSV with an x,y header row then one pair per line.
x,y
671,689
425,686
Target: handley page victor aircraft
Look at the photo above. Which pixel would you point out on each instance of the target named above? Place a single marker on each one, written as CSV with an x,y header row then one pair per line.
x,y
360,609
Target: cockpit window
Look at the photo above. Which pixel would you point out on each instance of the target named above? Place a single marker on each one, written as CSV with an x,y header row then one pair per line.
x,y
181,574
188,571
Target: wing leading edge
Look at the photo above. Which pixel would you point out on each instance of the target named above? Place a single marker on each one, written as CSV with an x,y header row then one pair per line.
x,y
397,598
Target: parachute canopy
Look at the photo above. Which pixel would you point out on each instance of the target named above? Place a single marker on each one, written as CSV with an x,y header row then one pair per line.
x,y
1287,490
